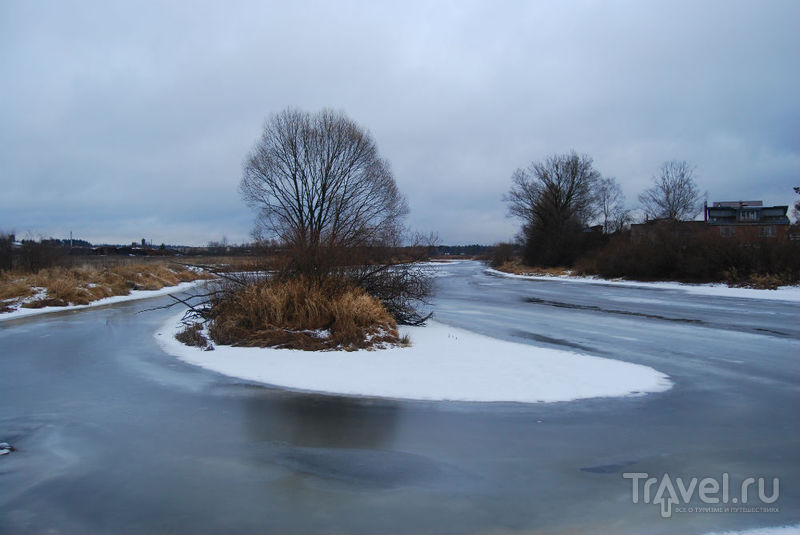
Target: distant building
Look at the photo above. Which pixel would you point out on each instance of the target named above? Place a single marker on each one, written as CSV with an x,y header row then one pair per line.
x,y
741,220
748,220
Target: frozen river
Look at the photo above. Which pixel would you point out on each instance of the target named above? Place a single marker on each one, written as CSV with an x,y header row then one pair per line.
x,y
114,436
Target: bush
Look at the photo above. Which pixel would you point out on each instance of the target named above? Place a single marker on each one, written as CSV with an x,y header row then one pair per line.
x,y
192,335
34,256
299,313
698,257
389,274
500,254
6,252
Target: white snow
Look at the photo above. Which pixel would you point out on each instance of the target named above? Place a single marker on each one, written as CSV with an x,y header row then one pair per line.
x,y
443,363
782,530
783,293
133,296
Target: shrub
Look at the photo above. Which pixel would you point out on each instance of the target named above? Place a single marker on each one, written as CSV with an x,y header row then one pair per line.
x,y
300,314
14,287
34,256
192,335
698,257
501,254
6,251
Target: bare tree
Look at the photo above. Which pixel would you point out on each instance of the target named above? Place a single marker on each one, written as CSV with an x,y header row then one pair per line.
x,y
320,185
562,184
674,194
555,199
796,209
323,191
611,205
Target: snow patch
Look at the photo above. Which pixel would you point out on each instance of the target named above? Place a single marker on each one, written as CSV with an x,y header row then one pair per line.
x,y
443,363
783,293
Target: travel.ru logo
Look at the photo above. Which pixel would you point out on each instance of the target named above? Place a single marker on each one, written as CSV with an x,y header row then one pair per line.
x,y
714,493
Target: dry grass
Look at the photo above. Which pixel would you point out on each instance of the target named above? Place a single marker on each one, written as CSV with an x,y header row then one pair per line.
x,y
298,314
760,282
14,287
232,264
517,268
82,285
192,335
219,263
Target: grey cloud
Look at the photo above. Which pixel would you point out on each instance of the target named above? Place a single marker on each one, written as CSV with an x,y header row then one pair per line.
x,y
127,120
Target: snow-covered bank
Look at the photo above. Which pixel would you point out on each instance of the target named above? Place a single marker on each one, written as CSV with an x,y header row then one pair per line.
x,y
133,296
783,530
443,363
783,293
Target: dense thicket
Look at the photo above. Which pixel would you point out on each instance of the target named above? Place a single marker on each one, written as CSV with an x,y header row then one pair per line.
x,y
700,257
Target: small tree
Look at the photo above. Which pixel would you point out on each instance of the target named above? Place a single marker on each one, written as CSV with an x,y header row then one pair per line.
x,y
555,199
674,194
796,210
611,205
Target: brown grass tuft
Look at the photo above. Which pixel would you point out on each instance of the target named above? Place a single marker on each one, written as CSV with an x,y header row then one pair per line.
x,y
13,287
518,268
299,314
759,282
192,335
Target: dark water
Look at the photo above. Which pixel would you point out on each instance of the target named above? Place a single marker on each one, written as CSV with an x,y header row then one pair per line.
x,y
114,436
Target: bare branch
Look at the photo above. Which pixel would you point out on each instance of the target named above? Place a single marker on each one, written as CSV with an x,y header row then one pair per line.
x,y
674,194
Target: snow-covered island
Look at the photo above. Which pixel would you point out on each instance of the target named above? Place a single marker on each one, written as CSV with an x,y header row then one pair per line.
x,y
443,363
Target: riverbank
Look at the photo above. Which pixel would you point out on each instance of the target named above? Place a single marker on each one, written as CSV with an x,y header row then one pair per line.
x,y
134,295
443,363
63,288
783,293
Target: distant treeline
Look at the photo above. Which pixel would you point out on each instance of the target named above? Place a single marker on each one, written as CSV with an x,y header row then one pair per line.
x,y
29,255
669,252
574,217
463,250
32,255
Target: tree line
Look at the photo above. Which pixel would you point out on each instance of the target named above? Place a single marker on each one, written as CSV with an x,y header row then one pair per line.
x,y
560,197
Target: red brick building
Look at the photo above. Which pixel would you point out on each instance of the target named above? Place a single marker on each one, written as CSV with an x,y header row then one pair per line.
x,y
740,220
748,220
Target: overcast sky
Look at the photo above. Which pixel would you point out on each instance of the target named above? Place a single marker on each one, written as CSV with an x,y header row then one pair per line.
x,y
121,121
